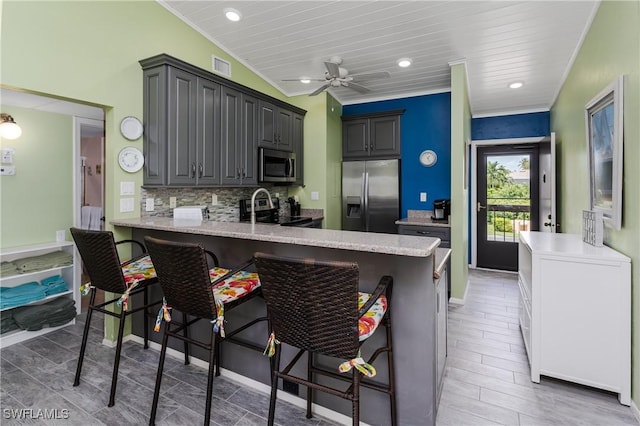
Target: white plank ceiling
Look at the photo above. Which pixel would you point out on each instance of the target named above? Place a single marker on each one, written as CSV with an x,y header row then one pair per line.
x,y
500,41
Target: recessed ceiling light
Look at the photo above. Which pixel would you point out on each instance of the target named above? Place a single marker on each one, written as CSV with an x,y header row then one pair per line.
x,y
232,14
404,62
305,80
516,85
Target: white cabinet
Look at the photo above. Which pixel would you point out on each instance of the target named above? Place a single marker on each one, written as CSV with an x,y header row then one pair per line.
x,y
69,273
575,311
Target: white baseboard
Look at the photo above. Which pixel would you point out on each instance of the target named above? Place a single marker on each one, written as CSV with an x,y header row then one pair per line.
x,y
253,384
635,411
457,301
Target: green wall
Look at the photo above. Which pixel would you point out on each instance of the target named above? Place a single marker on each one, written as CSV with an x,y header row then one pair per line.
x,y
460,134
40,196
611,48
89,52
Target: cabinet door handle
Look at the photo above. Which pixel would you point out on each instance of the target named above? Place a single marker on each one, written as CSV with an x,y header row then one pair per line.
x,y
193,170
243,173
200,170
424,232
238,173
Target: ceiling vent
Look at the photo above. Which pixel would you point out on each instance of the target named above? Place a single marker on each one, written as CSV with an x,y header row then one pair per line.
x,y
221,66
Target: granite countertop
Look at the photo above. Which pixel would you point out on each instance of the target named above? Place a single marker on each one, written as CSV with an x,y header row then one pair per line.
x,y
421,218
402,245
442,255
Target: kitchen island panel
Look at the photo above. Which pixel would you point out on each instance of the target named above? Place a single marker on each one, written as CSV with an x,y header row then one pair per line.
x,y
413,317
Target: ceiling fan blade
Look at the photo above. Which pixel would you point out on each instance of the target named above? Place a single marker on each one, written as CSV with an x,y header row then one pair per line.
x,y
333,69
357,87
310,79
319,90
371,75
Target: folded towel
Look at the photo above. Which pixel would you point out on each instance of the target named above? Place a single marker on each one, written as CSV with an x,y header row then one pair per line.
x,y
21,294
45,261
51,314
95,218
54,285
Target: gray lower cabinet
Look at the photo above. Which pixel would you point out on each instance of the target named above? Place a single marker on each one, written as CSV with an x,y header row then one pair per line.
x,y
442,232
371,135
239,129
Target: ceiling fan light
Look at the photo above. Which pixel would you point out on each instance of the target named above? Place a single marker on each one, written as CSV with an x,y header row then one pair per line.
x,y
305,80
404,62
232,14
516,85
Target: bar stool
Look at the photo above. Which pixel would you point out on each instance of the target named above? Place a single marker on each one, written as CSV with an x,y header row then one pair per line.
x,y
198,292
315,306
106,272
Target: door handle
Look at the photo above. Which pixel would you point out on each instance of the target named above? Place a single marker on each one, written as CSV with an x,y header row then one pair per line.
x,y
480,207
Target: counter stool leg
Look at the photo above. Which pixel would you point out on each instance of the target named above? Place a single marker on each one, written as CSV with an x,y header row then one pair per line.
x,y
356,398
274,387
309,379
116,362
85,334
212,366
218,352
185,319
392,379
146,318
156,390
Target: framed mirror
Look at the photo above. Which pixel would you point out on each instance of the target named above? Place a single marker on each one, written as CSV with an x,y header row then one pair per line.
x,y
605,154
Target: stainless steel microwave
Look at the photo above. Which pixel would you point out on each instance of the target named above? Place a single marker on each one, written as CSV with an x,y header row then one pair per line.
x,y
276,166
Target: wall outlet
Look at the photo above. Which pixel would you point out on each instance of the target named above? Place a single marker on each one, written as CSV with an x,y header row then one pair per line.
x,y
277,195
172,202
214,200
149,204
60,236
315,196
126,205
296,198
7,155
423,197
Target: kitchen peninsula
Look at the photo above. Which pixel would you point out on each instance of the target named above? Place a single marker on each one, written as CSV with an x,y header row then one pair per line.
x,y
409,260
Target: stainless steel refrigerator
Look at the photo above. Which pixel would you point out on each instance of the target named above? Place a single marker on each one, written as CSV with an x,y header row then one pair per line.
x,y
371,195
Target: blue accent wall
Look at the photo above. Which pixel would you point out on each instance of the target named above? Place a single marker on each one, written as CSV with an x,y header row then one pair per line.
x,y
425,124
511,126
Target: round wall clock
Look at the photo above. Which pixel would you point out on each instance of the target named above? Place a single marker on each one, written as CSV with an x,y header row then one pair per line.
x,y
428,158
131,128
130,159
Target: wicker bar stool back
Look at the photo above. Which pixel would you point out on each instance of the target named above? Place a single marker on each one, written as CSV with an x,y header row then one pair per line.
x,y
106,272
188,286
316,307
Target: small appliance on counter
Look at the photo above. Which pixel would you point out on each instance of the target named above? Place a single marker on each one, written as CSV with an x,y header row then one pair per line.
x,y
191,212
294,207
266,214
441,210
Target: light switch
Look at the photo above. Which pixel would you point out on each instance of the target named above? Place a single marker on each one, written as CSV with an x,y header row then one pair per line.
x,y
7,155
126,205
149,204
423,197
127,188
315,196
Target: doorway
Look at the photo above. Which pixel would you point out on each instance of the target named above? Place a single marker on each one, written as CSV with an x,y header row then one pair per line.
x,y
507,202
89,142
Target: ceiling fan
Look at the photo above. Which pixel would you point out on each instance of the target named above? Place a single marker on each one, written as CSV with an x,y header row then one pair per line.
x,y
336,76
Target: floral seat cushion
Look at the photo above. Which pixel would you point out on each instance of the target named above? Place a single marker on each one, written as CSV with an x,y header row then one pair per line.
x,y
238,285
368,323
234,287
139,269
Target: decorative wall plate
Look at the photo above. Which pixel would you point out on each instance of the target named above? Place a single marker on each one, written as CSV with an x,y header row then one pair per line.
x,y
131,128
130,159
428,158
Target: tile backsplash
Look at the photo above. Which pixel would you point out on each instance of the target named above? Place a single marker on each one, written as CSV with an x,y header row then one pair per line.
x,y
226,209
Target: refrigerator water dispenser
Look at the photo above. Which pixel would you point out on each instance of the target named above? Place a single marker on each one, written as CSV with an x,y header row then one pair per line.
x,y
353,207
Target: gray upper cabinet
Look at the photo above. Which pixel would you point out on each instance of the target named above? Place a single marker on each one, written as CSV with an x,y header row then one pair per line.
x,y
203,130
298,146
276,127
239,138
372,135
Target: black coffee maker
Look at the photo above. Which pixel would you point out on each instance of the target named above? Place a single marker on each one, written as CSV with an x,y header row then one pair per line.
x,y
441,210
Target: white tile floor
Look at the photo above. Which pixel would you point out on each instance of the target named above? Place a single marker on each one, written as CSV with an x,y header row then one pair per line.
x,y
487,379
